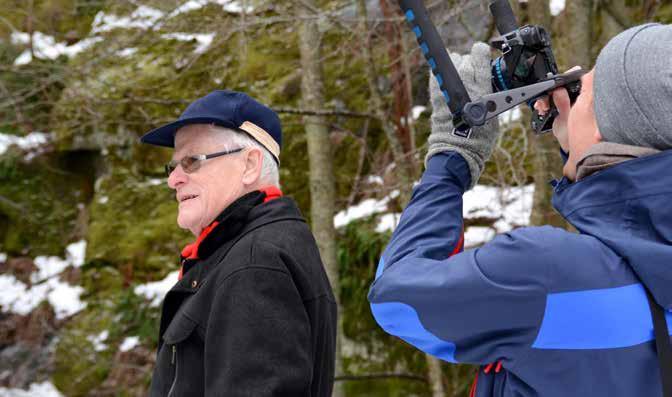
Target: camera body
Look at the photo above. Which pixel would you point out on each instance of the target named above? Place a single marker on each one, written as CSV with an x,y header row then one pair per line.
x,y
527,58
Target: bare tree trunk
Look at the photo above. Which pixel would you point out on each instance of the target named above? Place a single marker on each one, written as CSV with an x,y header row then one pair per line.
x,y
545,149
401,94
435,376
402,170
320,156
580,32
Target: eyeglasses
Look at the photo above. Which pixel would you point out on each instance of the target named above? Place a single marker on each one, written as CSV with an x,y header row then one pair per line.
x,y
193,163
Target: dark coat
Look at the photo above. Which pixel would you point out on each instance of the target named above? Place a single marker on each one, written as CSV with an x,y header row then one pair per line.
x,y
255,315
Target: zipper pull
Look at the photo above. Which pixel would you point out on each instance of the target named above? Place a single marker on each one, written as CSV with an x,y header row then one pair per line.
x,y
172,360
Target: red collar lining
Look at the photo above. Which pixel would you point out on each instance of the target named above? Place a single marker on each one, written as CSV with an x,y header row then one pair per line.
x,y
190,251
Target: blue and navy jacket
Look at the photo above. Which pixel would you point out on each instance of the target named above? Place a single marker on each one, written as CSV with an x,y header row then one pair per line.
x,y
563,314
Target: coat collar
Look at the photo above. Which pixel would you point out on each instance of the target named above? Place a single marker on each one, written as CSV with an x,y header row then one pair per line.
x,y
247,212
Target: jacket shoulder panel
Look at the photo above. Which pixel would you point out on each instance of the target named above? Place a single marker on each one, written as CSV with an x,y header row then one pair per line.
x,y
567,261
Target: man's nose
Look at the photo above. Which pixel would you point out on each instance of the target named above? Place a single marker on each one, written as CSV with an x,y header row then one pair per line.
x,y
177,177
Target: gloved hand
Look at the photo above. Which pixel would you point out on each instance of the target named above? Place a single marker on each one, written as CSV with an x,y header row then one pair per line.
x,y
474,69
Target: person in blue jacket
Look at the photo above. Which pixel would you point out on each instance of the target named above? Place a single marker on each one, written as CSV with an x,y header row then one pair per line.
x,y
554,313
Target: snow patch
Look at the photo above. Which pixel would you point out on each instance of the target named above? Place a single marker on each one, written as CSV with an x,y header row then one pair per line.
x,y
3,257
557,6
142,18
17,297
98,341
29,142
75,253
227,5
45,46
48,267
129,343
157,290
512,205
375,180
387,223
127,52
145,17
475,236
417,111
44,389
203,39
363,209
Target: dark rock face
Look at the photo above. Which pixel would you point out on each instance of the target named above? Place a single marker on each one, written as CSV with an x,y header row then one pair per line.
x,y
21,268
27,346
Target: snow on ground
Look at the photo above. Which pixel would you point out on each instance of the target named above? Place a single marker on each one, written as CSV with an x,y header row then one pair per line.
x,y
156,290
17,297
227,5
145,17
75,253
127,52
28,142
129,343
374,180
203,39
387,222
142,18
98,340
477,235
45,46
557,6
511,206
44,389
363,209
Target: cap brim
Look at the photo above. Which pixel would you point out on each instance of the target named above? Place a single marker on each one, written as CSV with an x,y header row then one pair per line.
x,y
165,135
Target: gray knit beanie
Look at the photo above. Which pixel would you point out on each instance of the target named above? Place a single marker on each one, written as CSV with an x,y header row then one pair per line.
x,y
633,87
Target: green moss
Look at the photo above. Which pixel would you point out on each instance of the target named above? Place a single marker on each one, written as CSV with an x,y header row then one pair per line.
x,y
39,203
133,225
78,367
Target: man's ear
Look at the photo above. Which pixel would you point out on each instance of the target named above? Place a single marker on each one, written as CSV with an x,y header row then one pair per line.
x,y
253,163
597,136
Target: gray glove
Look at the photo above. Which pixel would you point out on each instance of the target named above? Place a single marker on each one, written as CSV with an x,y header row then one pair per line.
x,y
474,69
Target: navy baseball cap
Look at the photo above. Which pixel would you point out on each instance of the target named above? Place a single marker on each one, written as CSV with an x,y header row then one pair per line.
x,y
230,109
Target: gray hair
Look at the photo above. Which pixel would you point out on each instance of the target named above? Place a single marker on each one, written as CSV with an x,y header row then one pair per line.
x,y
232,139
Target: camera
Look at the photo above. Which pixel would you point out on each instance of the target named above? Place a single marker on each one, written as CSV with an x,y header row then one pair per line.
x,y
527,58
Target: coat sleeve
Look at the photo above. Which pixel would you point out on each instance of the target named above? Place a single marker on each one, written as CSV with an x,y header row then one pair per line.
x,y
257,341
478,306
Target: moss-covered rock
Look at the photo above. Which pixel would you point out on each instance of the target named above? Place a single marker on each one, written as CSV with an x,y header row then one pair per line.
x,y
40,201
133,225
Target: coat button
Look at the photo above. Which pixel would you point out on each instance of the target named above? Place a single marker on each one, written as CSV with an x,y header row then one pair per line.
x,y
194,284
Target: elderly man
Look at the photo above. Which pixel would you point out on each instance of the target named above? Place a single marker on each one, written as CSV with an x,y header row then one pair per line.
x,y
545,311
253,313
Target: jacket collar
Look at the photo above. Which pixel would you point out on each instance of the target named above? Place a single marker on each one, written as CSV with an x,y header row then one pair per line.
x,y
627,207
227,225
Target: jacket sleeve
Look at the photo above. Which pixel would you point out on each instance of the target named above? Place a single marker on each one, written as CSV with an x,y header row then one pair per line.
x,y
478,306
258,337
